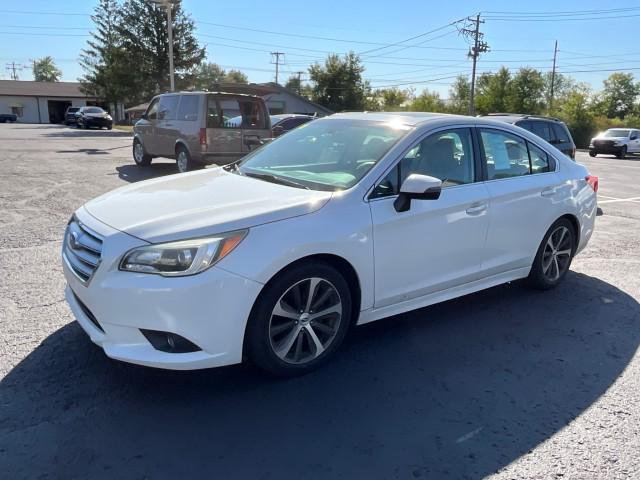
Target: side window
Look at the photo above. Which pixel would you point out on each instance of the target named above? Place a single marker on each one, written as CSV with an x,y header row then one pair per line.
x,y
213,116
229,111
188,109
446,155
526,125
168,107
252,114
152,110
560,133
542,130
540,162
506,155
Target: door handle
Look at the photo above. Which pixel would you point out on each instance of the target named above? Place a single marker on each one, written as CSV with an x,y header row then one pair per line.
x,y
476,208
548,192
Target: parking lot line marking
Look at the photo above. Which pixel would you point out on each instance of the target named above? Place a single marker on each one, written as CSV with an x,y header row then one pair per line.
x,y
612,198
632,199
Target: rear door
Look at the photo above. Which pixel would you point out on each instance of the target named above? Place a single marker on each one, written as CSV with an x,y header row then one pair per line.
x,y
523,188
223,129
634,141
562,139
256,124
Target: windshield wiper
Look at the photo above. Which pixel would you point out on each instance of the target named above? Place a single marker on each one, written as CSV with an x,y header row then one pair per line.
x,y
274,179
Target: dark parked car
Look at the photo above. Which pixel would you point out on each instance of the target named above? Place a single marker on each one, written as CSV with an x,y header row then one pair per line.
x,y
551,129
70,115
8,117
88,117
282,123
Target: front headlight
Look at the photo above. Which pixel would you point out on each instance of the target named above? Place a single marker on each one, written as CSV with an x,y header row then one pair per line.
x,y
186,257
108,117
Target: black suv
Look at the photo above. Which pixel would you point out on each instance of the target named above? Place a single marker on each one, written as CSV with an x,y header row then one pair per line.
x,y
552,130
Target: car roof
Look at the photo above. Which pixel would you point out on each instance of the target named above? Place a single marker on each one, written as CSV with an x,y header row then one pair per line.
x,y
282,116
516,117
202,92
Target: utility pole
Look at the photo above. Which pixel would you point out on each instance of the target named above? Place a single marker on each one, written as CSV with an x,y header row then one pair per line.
x,y
553,76
299,82
276,56
168,5
14,68
479,46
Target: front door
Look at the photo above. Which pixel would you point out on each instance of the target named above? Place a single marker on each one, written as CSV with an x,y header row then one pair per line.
x,y
166,131
436,244
146,127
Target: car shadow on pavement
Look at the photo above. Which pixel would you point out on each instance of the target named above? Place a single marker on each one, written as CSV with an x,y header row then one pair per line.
x,y
72,133
133,173
456,390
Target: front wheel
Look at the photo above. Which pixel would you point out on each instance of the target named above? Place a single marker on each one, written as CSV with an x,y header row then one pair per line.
x,y
623,152
141,158
554,256
592,153
300,320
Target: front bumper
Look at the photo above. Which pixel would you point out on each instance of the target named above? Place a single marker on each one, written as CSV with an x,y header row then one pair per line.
x,y
97,122
209,309
605,148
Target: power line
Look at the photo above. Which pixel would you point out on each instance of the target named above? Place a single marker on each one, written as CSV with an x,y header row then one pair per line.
x,y
566,12
23,12
479,46
277,56
564,19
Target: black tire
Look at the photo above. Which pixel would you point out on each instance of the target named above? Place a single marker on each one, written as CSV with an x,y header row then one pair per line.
x,y
541,277
143,160
623,152
109,127
592,153
186,163
258,340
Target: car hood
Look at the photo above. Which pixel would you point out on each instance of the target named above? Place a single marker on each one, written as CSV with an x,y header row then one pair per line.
x,y
200,203
615,139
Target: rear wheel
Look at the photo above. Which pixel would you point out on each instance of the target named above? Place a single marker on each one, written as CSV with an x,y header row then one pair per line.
x,y
141,158
554,256
300,320
184,161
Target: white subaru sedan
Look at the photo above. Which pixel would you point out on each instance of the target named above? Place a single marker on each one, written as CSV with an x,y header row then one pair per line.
x,y
342,221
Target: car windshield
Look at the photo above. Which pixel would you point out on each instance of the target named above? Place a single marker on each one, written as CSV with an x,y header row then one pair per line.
x,y
616,132
328,154
73,109
93,110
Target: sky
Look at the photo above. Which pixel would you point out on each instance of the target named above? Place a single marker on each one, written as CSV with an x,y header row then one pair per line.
x,y
241,35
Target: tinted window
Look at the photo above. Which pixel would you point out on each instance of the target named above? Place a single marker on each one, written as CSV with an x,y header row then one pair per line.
x,y
539,159
152,110
188,109
506,155
92,110
213,116
542,130
253,116
168,107
446,155
229,110
561,134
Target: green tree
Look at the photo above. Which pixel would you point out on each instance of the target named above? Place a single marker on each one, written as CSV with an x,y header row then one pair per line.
x,y
578,114
491,91
526,92
428,102
563,86
143,35
45,70
459,95
338,84
619,95
294,84
207,75
394,98
235,76
108,71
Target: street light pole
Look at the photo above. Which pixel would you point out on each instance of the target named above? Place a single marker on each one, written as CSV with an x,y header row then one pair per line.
x,y
167,4
170,28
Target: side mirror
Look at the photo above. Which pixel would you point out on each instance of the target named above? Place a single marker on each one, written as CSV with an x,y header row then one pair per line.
x,y
417,187
633,137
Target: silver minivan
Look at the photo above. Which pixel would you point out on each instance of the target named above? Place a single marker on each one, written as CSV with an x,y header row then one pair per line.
x,y
200,128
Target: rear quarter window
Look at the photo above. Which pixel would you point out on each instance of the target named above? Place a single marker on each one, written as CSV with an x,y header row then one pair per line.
x,y
188,109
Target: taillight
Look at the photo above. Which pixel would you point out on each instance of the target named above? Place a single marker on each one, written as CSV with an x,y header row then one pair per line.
x,y
592,180
203,136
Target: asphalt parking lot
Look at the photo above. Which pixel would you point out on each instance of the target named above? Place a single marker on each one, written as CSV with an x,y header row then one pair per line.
x,y
507,383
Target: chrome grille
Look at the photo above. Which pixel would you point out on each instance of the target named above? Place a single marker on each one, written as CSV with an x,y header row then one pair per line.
x,y
82,249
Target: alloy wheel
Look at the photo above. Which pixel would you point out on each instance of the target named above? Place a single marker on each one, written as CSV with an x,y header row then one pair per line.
x,y
183,161
137,152
305,320
556,256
